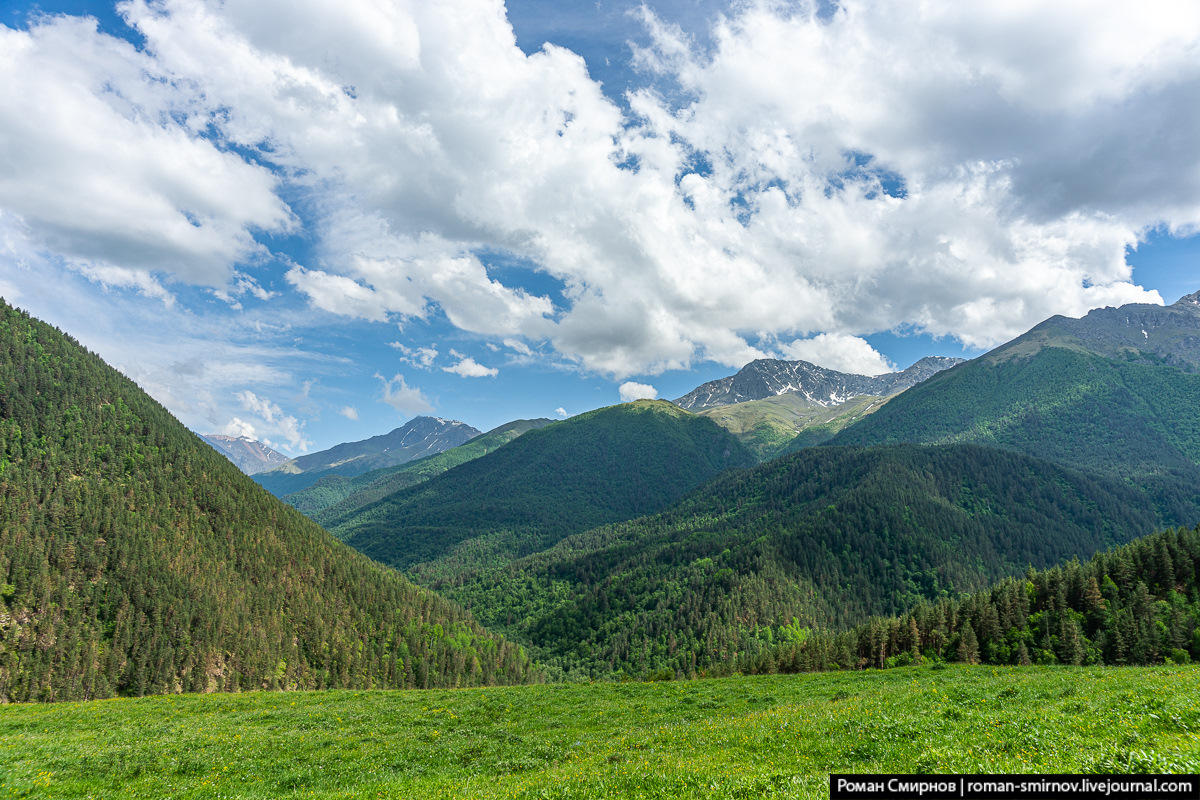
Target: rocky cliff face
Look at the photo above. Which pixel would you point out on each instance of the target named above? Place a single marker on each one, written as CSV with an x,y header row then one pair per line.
x,y
766,378
250,456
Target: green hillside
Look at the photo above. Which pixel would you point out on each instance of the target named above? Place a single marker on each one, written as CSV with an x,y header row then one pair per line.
x,y
135,559
829,535
336,497
1130,419
1137,604
604,466
783,424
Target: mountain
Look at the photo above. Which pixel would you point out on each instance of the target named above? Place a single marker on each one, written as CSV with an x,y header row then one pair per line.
x,y
1114,392
786,423
135,559
335,497
1138,332
420,437
818,386
826,536
606,465
249,455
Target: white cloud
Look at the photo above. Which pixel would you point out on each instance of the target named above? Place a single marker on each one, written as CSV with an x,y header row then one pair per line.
x,y
631,391
840,352
240,285
468,367
420,357
519,346
239,427
273,421
562,412
102,163
109,276
349,412
407,400
338,294
964,170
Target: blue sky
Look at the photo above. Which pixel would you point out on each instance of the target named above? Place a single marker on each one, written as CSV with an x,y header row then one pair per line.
x,y
309,222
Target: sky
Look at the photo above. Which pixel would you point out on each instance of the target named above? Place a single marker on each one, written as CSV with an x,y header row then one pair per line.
x,y
307,222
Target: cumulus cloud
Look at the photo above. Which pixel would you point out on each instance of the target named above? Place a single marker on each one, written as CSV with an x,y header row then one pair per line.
x,y
631,390
843,353
349,412
239,427
962,170
104,163
562,412
407,400
468,367
274,422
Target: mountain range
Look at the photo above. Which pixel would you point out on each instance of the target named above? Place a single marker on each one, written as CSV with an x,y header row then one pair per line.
x,y
1115,392
821,538
250,456
818,386
1097,447
419,437
335,497
603,466
628,540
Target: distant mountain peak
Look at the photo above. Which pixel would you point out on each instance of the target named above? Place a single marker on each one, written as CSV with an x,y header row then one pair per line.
x,y
249,455
1192,299
417,438
769,377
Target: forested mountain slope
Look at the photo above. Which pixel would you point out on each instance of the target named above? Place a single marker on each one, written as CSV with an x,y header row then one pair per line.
x,y
1115,391
135,559
607,465
336,497
1137,604
1131,420
829,535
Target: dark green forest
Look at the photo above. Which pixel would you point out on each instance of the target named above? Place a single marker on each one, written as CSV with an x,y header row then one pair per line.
x,y
828,537
604,466
1138,604
135,559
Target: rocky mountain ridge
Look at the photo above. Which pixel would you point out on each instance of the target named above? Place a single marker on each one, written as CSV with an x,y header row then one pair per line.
x,y
419,437
768,377
1137,332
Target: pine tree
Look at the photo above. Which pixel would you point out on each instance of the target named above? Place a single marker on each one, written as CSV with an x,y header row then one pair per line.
x,y
968,646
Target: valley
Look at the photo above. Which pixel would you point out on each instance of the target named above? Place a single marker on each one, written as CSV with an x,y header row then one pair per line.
x,y
1018,509
630,399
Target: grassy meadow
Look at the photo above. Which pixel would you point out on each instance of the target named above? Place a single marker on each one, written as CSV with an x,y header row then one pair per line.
x,y
739,737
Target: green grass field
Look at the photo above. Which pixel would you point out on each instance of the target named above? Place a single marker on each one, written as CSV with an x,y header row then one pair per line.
x,y
741,737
